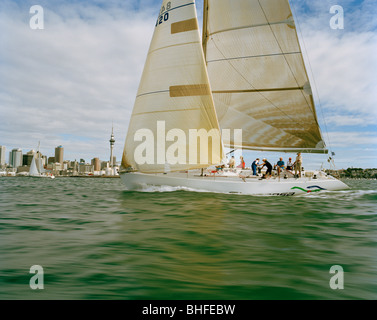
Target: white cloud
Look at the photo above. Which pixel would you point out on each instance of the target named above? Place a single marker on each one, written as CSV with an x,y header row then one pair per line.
x,y
347,139
351,120
345,71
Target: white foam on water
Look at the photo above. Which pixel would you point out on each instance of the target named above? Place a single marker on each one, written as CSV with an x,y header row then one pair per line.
x,y
165,188
347,195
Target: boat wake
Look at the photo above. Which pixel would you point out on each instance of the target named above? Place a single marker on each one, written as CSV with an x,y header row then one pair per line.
x,y
346,195
162,189
166,188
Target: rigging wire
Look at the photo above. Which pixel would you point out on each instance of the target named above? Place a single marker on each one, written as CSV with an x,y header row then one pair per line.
x,y
314,82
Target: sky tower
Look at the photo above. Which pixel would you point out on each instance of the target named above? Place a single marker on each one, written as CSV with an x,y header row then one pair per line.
x,y
112,141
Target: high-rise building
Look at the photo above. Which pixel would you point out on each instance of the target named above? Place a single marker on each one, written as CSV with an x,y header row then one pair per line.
x,y
2,155
104,165
97,164
112,141
15,158
86,168
27,158
59,151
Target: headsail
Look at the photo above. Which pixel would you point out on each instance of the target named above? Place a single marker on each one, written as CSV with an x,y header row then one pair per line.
x,y
39,161
174,94
258,77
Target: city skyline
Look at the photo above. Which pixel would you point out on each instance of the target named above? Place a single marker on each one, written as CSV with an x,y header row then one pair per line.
x,y
17,156
21,164
7,156
67,83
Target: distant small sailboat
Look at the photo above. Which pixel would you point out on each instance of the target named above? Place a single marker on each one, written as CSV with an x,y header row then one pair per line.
x,y
36,168
35,173
246,76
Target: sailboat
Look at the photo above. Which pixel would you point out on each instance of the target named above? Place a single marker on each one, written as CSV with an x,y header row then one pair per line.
x,y
242,85
36,168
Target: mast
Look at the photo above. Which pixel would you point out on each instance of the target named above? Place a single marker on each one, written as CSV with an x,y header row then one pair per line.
x,y
39,158
205,23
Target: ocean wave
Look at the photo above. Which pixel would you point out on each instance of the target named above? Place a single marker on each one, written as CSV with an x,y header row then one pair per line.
x,y
346,195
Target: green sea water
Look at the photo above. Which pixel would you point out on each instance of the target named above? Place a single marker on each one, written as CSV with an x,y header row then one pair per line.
x,y
95,240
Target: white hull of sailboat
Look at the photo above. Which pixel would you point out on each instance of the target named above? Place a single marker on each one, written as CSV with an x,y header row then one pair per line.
x,y
42,176
251,186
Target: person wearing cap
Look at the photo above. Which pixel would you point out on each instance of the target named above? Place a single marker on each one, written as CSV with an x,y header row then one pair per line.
x,y
254,166
268,166
298,164
289,165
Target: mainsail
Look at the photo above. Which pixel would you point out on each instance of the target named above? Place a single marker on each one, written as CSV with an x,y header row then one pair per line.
x,y
173,98
258,77
33,168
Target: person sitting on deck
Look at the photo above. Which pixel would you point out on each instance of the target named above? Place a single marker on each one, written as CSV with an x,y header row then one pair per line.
x,y
280,166
232,162
289,165
242,164
220,168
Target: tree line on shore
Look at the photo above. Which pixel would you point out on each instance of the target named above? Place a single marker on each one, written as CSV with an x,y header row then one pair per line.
x,y
355,173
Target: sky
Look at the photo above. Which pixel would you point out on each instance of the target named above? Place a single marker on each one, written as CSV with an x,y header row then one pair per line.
x,y
70,82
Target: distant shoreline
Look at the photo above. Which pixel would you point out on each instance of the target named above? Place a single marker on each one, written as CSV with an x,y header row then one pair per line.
x,y
111,177
354,173
104,177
